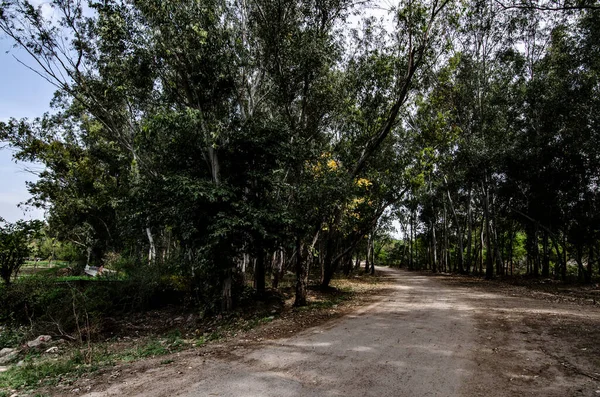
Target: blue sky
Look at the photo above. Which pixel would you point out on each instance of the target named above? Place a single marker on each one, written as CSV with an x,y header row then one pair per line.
x,y
22,94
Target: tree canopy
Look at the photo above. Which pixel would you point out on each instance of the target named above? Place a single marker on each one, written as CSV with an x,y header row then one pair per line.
x,y
218,138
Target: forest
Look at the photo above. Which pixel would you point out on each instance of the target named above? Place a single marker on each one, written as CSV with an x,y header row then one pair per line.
x,y
205,150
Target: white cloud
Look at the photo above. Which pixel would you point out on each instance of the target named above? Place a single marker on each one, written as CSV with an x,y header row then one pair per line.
x,y
47,9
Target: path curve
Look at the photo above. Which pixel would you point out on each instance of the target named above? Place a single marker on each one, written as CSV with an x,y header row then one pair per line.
x,y
417,340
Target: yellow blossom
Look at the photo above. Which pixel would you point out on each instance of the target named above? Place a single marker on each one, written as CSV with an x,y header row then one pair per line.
x,y
362,182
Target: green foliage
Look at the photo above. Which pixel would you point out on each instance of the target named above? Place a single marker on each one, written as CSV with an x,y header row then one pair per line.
x,y
11,336
14,246
69,303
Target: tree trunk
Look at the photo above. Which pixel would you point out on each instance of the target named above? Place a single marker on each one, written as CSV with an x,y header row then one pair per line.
x,y
367,263
536,253
446,250
347,261
489,264
259,271
481,245
496,251
469,233
278,268
564,268
579,258
546,256
372,258
226,295
329,265
511,248
590,264
433,248
301,274
410,246
152,249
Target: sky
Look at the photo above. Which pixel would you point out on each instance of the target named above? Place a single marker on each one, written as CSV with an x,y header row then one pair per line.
x,y
22,94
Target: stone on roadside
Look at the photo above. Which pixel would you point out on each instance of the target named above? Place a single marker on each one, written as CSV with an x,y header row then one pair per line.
x,y
7,355
39,341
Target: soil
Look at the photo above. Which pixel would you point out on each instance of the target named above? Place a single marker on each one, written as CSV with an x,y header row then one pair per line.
x,y
536,337
418,335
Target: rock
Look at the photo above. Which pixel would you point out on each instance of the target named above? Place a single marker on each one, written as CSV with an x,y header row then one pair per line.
x,y
6,351
178,319
53,349
3,369
39,341
7,355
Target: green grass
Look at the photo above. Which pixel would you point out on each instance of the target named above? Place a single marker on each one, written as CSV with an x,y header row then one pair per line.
x,y
46,263
255,322
41,373
38,371
327,303
77,278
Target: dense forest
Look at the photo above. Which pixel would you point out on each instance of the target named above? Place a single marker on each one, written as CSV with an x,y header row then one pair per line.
x,y
197,146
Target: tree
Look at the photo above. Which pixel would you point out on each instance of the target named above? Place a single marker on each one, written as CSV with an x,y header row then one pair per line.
x,y
15,239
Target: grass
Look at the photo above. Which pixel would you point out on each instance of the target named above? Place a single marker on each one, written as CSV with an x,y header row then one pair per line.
x,y
330,300
48,372
46,264
41,371
170,343
255,322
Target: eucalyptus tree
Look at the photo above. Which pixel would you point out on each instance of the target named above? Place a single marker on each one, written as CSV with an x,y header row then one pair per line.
x,y
561,159
208,113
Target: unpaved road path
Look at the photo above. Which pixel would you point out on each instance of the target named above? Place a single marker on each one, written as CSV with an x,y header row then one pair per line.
x,y
425,337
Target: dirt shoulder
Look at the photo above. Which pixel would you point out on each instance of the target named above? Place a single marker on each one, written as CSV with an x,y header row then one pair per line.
x,y
534,338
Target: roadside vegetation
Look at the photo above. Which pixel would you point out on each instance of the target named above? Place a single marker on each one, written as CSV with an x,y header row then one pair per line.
x,y
152,333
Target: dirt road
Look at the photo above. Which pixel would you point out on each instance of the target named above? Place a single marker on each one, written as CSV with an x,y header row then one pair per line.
x,y
425,337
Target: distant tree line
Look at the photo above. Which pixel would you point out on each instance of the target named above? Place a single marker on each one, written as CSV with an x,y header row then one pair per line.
x,y
512,122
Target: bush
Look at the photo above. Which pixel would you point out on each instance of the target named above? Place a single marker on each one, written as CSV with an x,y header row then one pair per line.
x,y
12,336
77,306
52,306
